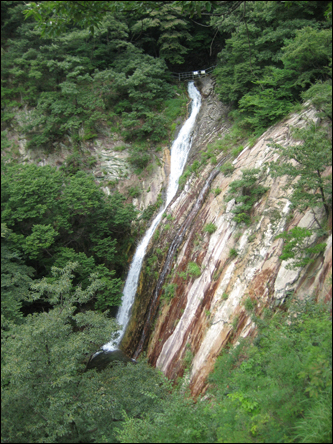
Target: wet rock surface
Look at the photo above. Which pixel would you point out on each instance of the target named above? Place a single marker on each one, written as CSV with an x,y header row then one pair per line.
x,y
207,312
104,358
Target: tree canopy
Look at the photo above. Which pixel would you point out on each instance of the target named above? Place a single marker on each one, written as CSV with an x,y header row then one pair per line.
x,y
75,71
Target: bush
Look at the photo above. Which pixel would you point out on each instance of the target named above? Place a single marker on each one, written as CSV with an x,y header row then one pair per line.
x,y
210,228
195,166
169,291
134,191
193,269
227,168
183,178
139,159
249,304
233,252
236,151
246,193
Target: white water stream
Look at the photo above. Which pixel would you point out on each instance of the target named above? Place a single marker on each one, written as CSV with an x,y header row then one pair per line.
x,y
179,152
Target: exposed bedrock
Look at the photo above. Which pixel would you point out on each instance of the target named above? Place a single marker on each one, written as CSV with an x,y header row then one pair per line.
x,y
207,312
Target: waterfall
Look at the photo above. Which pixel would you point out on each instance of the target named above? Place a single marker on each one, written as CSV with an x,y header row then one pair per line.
x,y
179,152
178,239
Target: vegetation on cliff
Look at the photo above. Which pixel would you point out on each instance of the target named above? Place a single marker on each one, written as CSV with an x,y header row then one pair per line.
x,y
276,388
65,245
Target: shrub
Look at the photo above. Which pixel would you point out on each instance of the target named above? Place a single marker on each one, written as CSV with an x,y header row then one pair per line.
x,y
134,191
210,228
156,235
193,269
227,169
235,151
235,322
195,166
183,178
246,193
216,191
169,291
188,358
183,275
148,212
138,159
233,252
249,304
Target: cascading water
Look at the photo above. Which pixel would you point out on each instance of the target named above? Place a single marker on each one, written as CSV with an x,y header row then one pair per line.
x,y
179,152
178,239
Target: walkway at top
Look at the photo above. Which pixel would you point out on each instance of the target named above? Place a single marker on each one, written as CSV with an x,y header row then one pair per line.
x,y
191,75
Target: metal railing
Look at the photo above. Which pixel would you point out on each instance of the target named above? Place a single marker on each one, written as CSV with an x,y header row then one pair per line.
x,y
191,75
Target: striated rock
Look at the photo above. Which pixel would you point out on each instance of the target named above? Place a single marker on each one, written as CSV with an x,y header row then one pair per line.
x,y
208,312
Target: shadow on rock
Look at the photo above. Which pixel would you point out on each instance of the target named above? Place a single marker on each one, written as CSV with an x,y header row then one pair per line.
x,y
102,359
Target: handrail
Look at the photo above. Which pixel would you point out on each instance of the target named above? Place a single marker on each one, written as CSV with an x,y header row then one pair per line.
x,y
193,74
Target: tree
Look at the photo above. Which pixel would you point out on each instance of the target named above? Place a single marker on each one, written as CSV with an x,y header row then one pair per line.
x,y
47,393
54,17
54,219
262,390
308,161
16,279
272,54
306,167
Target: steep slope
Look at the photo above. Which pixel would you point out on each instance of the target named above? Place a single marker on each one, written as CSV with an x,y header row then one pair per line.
x,y
207,312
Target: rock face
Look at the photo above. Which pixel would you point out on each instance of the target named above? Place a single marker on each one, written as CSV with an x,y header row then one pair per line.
x,y
207,312
111,170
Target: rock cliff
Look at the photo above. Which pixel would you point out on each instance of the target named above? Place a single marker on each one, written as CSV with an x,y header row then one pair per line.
x,y
207,313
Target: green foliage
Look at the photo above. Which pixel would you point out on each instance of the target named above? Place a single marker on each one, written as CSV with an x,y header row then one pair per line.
x,y
183,275
271,57
110,292
259,391
227,168
311,159
320,94
156,235
225,296
308,162
249,305
268,388
183,178
233,252
188,358
134,191
193,269
138,158
47,210
47,394
77,82
236,151
246,193
169,291
299,247
148,212
216,191
76,162
195,166
16,279
210,228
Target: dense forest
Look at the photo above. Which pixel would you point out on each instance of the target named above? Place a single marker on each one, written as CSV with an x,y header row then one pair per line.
x,y
69,71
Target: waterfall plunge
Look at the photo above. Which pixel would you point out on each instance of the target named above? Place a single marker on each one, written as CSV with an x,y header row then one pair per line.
x,y
179,152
